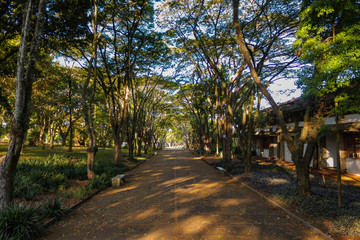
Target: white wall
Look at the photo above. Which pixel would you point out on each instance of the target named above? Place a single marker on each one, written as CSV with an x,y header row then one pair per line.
x,y
352,118
349,118
288,153
330,156
353,166
287,157
266,153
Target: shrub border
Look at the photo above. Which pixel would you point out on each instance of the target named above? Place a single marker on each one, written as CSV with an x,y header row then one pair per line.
x,y
275,205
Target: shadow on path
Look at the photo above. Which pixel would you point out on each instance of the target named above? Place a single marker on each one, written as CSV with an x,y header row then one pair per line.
x,y
175,195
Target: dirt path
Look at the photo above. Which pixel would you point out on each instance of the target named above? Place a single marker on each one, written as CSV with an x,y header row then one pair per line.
x,y
176,196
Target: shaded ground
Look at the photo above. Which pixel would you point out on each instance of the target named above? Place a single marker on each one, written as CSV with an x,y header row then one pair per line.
x,y
276,179
176,196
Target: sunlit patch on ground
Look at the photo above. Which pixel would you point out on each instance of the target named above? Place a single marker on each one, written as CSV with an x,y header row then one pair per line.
x,y
194,224
229,202
176,181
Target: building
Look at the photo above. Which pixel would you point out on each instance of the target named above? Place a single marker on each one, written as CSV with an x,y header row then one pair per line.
x,y
268,141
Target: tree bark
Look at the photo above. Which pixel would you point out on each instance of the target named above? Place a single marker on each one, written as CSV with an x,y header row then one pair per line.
x,y
296,149
91,152
302,176
70,117
20,122
88,100
250,131
42,129
227,138
117,146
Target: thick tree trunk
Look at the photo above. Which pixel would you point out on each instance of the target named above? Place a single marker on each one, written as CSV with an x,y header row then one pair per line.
x,y
117,145
91,152
227,147
20,122
250,131
302,178
201,142
302,162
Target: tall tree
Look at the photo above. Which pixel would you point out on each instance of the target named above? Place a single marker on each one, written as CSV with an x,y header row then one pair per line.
x,y
328,43
129,49
26,65
314,117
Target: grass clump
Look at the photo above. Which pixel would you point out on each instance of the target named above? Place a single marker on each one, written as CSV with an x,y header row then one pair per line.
x,y
100,181
53,208
20,222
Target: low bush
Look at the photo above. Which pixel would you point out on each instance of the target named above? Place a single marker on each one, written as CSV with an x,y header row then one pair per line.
x,y
25,188
100,181
20,222
52,208
81,193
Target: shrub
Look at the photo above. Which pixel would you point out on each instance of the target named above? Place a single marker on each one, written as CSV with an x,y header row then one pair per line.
x,y
100,181
49,181
25,188
20,222
78,194
52,208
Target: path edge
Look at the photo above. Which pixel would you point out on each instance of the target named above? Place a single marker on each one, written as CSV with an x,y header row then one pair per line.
x,y
50,222
275,205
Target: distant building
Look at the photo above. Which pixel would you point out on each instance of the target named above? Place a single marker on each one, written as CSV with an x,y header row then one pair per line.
x,y
269,143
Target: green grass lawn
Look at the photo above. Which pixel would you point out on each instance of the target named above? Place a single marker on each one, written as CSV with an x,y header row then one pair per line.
x,y
107,154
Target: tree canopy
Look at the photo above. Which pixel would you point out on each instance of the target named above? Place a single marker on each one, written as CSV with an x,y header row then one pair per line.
x,y
140,73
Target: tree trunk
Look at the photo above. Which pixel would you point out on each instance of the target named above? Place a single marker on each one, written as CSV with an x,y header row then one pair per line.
x,y
201,132
250,131
88,100
70,117
139,142
52,133
91,152
302,163
117,145
131,150
227,138
42,130
117,141
20,122
302,178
